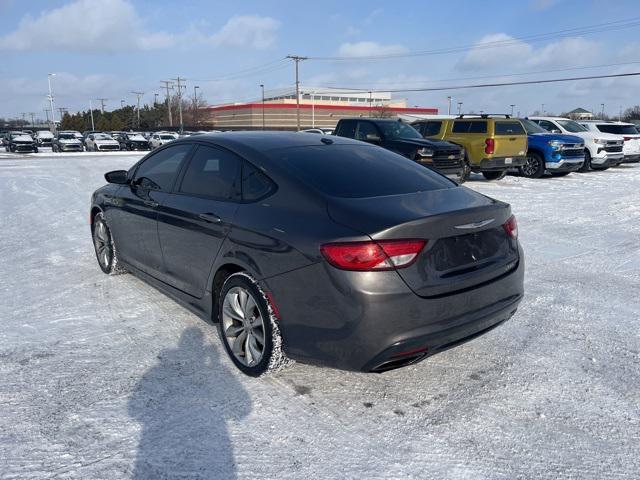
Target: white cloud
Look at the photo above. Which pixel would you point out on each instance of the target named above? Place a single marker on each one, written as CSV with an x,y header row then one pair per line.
x,y
114,25
502,50
247,31
85,26
365,49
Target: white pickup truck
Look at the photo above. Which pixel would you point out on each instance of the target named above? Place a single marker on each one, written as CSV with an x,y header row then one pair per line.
x,y
627,131
601,150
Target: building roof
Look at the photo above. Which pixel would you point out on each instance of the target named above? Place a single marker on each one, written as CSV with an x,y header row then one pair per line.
x,y
306,106
579,110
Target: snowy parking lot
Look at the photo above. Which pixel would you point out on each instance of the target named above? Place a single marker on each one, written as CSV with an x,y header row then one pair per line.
x,y
105,377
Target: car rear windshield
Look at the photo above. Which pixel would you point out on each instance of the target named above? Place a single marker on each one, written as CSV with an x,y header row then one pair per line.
x,y
358,171
469,126
617,129
508,128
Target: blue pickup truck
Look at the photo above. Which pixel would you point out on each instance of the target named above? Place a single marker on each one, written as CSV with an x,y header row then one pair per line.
x,y
552,152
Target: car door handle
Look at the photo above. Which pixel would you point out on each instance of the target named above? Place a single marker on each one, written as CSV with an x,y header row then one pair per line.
x,y
151,203
210,217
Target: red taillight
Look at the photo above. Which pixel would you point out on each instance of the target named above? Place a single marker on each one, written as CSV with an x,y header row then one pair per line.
x,y
490,145
367,256
626,139
511,227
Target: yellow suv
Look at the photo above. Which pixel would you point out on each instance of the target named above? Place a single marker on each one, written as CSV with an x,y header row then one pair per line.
x,y
492,143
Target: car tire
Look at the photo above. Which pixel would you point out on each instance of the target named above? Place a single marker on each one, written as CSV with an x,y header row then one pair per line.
x,y
54,148
105,247
248,327
465,173
586,165
495,175
534,166
35,150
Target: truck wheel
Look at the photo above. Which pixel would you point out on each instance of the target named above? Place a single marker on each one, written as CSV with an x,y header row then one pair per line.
x,y
465,173
587,162
495,175
533,167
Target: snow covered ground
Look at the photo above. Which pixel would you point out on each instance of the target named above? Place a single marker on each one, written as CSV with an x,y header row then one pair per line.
x,y
105,377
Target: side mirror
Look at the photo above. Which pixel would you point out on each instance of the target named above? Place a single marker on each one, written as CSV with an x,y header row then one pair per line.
x,y
372,137
118,177
555,130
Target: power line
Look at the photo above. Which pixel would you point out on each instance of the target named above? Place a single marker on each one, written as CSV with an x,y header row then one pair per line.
x,y
587,30
506,84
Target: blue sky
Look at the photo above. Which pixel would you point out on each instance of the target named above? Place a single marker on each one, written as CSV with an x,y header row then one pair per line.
x,y
108,48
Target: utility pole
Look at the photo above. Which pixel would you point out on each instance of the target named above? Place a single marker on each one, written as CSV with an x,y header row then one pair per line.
x,y
102,102
459,108
542,109
168,85
138,95
262,87
155,99
512,105
46,112
195,104
370,105
449,108
602,111
93,125
53,115
32,115
178,80
62,111
24,119
297,60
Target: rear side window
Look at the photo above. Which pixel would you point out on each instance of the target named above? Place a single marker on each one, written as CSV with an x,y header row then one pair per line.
x,y
358,171
255,184
364,129
347,128
508,128
428,129
159,171
469,126
212,173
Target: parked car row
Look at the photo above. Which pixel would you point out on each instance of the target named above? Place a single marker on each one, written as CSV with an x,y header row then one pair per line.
x,y
496,144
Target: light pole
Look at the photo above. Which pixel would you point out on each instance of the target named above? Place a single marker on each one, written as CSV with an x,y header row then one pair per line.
x,y
512,105
262,87
449,107
602,111
542,109
53,115
297,59
195,104
459,108
138,95
93,125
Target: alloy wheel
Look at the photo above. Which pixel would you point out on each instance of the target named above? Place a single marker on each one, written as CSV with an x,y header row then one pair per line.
x,y
102,243
243,326
531,166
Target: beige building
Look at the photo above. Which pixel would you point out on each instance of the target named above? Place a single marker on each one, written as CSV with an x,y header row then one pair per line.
x,y
319,108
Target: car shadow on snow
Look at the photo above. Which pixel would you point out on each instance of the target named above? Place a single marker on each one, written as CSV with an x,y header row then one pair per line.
x,y
183,404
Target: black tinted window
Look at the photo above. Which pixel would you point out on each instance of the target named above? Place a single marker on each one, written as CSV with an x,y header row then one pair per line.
x,y
212,173
467,126
347,129
357,171
508,128
255,184
364,129
617,129
159,171
428,129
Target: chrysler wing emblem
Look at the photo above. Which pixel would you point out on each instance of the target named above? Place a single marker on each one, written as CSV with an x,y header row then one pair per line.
x,y
469,226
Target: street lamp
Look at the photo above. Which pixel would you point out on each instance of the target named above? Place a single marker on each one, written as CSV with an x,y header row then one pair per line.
x,y
262,87
542,109
602,111
53,116
195,104
512,105
459,108
449,108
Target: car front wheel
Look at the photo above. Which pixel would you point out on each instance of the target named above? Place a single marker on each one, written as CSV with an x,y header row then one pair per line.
x,y
248,327
105,247
586,165
533,167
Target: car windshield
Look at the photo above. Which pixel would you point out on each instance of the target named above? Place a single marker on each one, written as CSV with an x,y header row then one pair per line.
x,y
167,137
66,136
398,130
358,171
532,127
102,136
571,126
618,129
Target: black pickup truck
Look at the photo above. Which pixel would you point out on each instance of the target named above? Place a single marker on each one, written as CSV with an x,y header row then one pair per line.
x,y
444,157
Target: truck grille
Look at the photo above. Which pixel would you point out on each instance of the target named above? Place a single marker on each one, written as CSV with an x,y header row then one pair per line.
x,y
442,159
573,152
613,148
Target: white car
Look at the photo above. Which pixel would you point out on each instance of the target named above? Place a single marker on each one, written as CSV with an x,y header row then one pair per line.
x,y
100,142
160,138
44,138
601,150
628,131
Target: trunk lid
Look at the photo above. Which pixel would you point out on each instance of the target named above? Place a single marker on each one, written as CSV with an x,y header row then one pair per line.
x,y
466,243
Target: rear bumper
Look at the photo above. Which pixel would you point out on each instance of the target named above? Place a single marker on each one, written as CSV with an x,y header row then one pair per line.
x,y
498,163
361,321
